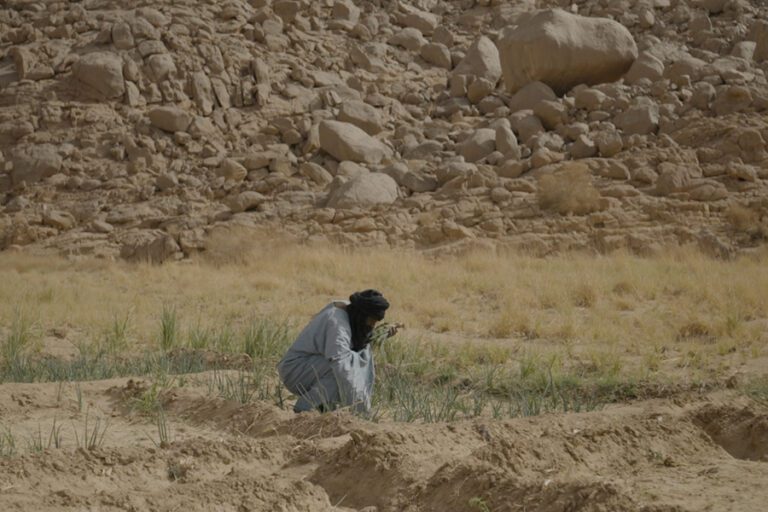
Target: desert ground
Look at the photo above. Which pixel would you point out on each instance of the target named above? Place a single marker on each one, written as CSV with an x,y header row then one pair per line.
x,y
603,383
564,201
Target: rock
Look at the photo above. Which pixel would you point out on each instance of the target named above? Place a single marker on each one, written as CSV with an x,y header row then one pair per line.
x,y
672,179
166,181
478,89
361,115
122,37
59,220
506,143
583,147
564,50
703,95
419,182
170,119
160,67
149,246
32,163
512,169
345,10
531,95
424,22
315,173
743,172
202,92
480,61
364,191
759,34
408,38
479,145
640,119
608,143
232,170
437,54
244,201
590,99
732,99
101,73
707,190
345,141
100,226
526,125
551,113
646,67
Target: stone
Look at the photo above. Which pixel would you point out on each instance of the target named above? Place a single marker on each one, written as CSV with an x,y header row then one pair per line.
x,y
551,113
345,10
564,50
166,181
160,67
244,201
408,38
437,54
122,37
479,145
673,178
512,169
231,170
478,89
703,95
583,147
170,119
608,143
646,67
640,119
364,191
526,125
362,115
424,22
707,190
506,143
32,163
345,141
101,73
316,173
58,219
732,99
530,95
480,61
202,92
590,99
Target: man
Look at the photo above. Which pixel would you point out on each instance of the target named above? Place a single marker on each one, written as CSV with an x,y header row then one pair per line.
x,y
331,364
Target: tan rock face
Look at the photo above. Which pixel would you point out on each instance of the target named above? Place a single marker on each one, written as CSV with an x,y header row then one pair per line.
x,y
564,50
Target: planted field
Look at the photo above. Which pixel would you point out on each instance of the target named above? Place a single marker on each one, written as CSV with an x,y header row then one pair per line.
x,y
569,383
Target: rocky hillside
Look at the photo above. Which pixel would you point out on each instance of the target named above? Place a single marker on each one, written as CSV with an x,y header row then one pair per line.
x,y
135,128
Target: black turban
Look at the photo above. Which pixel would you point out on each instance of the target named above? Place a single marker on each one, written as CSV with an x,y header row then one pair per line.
x,y
364,305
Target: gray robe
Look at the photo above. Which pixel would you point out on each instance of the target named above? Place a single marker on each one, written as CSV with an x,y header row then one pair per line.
x,y
322,369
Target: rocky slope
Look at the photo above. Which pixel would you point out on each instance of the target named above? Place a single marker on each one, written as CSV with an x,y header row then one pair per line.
x,y
134,128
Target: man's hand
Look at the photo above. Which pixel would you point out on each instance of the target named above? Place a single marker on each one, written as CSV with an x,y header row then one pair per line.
x,y
393,328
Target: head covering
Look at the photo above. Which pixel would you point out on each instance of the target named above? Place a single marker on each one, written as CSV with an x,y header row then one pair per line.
x,y
364,305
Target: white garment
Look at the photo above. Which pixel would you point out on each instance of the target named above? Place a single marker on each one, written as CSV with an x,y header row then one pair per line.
x,y
323,370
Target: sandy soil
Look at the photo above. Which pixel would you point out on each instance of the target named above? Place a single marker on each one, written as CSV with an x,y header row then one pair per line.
x,y
688,453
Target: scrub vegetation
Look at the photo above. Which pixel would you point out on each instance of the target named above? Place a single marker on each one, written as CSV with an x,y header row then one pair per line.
x,y
487,334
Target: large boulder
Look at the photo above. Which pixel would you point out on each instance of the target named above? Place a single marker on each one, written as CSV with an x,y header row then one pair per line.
x,y
33,163
564,50
481,61
363,191
345,141
101,73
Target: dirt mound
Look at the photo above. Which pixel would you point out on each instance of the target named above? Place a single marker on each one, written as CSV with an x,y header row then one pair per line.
x,y
223,455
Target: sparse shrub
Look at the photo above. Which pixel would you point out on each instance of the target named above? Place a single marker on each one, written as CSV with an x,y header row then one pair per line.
x,y
742,218
169,329
694,329
569,191
584,296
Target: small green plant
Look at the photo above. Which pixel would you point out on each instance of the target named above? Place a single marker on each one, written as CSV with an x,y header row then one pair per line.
x,y
163,430
93,433
16,341
36,443
116,336
479,504
169,329
7,443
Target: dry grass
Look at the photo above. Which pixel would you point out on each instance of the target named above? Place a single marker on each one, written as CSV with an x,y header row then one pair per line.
x,y
569,191
651,312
